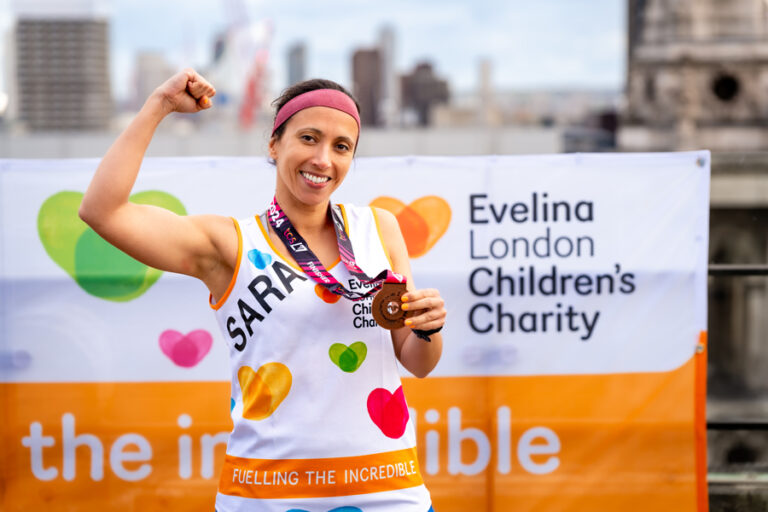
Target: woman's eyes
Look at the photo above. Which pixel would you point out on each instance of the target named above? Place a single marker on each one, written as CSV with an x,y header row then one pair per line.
x,y
310,138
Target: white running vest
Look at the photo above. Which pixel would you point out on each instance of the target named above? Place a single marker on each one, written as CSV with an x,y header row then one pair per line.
x,y
320,420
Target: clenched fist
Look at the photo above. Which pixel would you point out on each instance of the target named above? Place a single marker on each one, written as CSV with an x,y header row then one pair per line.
x,y
186,91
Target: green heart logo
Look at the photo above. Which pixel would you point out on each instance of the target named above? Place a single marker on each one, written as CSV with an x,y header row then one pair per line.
x,y
348,358
96,266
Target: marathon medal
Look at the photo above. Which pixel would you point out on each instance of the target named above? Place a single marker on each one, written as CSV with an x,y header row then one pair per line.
x,y
386,306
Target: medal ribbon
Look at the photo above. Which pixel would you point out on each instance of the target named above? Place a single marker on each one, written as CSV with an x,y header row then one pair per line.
x,y
311,265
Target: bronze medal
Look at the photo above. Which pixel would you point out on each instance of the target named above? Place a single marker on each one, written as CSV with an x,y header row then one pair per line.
x,y
387,308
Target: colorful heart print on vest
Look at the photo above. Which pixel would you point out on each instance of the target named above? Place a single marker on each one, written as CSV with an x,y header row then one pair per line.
x,y
264,389
348,358
260,260
326,295
96,266
388,411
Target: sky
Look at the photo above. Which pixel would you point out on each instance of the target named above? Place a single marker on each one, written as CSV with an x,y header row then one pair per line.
x,y
542,44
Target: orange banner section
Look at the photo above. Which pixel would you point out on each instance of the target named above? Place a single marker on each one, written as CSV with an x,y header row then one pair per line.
x,y
320,478
112,446
589,443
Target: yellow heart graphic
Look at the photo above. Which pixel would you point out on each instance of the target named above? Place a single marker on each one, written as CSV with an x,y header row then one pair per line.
x,y
263,390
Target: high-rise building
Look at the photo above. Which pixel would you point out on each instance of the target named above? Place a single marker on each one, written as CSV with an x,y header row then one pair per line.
x,y
62,65
366,80
297,63
488,112
422,90
390,90
9,75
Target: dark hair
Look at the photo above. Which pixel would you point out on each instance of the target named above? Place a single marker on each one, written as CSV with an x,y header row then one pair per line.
x,y
302,87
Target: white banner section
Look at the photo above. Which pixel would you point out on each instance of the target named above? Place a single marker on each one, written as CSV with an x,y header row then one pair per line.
x,y
567,264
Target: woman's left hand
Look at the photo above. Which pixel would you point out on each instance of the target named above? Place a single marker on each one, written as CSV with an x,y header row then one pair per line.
x,y
429,309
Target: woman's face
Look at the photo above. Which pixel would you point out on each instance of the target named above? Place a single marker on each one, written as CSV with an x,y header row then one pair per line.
x,y
314,154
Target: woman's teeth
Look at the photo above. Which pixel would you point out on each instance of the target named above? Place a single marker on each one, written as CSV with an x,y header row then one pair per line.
x,y
315,179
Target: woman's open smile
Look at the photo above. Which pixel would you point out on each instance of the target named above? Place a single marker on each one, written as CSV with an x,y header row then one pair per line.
x,y
313,155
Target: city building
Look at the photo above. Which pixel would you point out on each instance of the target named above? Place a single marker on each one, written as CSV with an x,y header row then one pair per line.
x,y
8,50
389,106
297,63
376,82
488,112
421,91
62,66
367,84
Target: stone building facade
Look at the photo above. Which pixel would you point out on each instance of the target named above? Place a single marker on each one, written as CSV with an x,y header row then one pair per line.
x,y
697,75
697,78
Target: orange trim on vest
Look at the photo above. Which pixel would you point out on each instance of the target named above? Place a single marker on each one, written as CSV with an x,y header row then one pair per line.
x,y
224,297
320,478
344,216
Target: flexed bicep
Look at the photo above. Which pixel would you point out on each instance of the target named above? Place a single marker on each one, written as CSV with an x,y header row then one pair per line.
x,y
153,235
163,239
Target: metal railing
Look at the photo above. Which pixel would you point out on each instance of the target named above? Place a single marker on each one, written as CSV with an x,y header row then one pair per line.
x,y
738,270
738,477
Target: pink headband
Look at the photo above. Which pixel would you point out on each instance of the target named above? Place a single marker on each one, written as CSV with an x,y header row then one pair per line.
x,y
318,98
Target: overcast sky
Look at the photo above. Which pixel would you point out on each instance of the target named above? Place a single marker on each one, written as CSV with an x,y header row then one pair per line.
x,y
547,43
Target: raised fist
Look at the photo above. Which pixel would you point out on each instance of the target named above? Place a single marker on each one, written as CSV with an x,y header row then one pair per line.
x,y
186,91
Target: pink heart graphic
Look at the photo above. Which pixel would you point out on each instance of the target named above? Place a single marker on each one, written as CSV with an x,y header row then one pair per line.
x,y
388,411
185,350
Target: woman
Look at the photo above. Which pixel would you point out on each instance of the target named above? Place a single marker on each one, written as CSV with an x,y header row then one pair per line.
x,y
320,422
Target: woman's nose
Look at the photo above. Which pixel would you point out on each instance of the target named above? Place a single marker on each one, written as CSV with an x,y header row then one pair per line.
x,y
322,157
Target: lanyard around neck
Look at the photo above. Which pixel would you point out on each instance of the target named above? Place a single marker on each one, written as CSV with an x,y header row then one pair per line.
x,y
311,265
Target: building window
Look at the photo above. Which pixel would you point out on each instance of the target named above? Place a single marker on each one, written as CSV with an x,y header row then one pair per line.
x,y
725,87
650,88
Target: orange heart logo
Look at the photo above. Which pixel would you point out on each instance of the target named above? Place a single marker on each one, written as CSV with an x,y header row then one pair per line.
x,y
264,389
327,296
422,222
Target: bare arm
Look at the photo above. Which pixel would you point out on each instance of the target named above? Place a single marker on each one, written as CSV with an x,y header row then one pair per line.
x,y
418,356
152,235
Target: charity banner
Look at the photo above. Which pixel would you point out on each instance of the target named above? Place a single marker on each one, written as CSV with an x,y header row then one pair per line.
x,y
572,376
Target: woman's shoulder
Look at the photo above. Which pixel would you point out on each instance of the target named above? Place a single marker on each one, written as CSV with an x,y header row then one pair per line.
x,y
373,212
213,224
225,226
377,222
371,217
223,231
386,220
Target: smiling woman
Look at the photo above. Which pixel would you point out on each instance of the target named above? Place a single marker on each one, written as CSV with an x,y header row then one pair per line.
x,y
316,152
316,393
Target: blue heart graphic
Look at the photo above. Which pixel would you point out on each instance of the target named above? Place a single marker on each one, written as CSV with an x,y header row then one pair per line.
x,y
231,404
259,259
